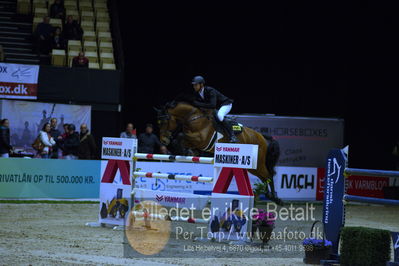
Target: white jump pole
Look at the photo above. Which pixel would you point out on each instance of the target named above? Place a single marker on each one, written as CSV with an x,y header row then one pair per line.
x,y
174,177
174,158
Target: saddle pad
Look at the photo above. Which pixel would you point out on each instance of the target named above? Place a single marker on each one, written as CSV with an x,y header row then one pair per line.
x,y
237,128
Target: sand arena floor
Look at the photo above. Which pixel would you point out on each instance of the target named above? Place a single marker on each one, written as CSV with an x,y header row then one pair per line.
x,y
55,234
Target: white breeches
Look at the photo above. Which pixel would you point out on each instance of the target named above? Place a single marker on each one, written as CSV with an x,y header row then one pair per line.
x,y
223,111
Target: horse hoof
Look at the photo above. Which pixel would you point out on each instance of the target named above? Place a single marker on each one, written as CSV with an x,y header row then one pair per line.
x,y
274,198
279,202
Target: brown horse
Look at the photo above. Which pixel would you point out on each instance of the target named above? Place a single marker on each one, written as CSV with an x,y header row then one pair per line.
x,y
199,134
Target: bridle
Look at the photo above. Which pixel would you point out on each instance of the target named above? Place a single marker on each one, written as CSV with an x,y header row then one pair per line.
x,y
162,118
165,117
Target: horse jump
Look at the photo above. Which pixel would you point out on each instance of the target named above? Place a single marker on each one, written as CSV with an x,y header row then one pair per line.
x,y
199,134
375,173
335,196
173,158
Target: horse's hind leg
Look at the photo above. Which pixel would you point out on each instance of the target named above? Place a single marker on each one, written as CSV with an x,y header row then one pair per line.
x,y
261,172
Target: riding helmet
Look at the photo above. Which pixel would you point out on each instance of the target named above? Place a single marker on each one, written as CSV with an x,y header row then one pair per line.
x,y
198,80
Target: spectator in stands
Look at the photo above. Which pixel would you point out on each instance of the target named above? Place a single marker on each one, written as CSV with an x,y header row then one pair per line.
x,y
71,143
47,141
129,133
5,147
65,134
163,150
1,53
72,30
87,148
148,141
57,10
43,36
55,134
57,40
61,139
80,61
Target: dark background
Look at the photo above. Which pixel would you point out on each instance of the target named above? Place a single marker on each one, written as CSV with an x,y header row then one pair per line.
x,y
324,61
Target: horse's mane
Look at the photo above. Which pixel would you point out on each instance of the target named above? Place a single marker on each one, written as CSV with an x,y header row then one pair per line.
x,y
173,104
181,98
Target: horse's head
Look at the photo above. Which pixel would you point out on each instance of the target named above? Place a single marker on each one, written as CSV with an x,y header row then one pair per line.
x,y
167,124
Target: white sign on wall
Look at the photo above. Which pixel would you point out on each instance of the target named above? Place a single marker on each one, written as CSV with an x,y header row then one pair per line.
x,y
118,149
291,183
236,155
173,199
296,183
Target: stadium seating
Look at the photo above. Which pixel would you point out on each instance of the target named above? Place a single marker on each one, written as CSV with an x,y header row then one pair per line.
x,y
94,65
85,6
102,16
104,37
58,57
108,66
89,36
100,7
92,56
70,4
102,26
90,46
56,22
74,13
87,25
94,19
74,45
107,58
23,7
105,47
87,15
40,12
71,55
39,4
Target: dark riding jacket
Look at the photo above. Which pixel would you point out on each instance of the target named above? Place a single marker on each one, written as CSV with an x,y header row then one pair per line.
x,y
213,99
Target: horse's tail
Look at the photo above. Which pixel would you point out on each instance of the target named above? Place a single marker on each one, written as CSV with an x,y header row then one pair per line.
x,y
272,154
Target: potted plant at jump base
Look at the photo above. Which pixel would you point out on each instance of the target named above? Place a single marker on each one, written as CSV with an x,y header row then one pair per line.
x,y
260,189
263,224
316,249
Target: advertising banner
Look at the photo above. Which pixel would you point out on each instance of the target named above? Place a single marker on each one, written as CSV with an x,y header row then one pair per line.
x,y
54,179
27,119
333,207
297,183
173,199
116,173
291,183
175,185
304,141
236,155
230,217
114,203
18,81
366,186
118,149
395,242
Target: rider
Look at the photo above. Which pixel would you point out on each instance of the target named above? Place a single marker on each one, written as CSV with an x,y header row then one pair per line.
x,y
210,98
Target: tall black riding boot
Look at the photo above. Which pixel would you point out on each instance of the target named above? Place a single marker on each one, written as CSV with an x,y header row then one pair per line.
x,y
229,131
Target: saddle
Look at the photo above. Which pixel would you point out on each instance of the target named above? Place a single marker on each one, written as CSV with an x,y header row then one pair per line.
x,y
236,127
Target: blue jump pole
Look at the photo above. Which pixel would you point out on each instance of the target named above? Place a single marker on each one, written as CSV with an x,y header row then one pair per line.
x,y
371,200
375,173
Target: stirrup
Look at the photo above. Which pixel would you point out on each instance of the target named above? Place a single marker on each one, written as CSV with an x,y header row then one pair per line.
x,y
233,138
